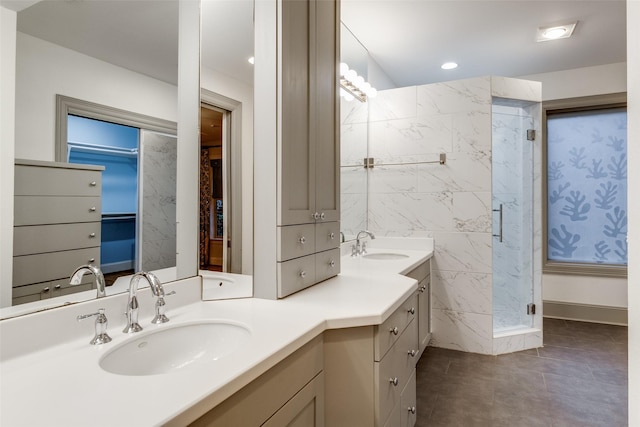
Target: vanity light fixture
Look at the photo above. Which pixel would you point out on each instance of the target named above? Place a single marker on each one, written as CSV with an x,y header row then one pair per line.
x,y
555,32
354,86
449,66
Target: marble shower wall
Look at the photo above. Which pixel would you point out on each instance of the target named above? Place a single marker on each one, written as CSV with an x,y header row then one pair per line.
x,y
450,203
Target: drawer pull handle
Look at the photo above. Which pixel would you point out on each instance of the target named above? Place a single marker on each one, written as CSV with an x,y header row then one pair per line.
x,y
332,235
315,215
421,289
322,215
303,274
92,235
412,310
57,286
45,289
93,183
412,409
92,209
411,353
91,260
332,263
302,240
394,381
394,330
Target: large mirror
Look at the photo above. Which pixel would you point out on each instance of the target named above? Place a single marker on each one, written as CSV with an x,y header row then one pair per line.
x,y
354,116
119,55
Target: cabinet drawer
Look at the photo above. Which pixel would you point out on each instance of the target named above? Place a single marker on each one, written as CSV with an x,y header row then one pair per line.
x,y
53,288
394,418
388,332
295,241
35,210
327,236
327,264
29,269
56,181
296,274
36,239
395,369
408,409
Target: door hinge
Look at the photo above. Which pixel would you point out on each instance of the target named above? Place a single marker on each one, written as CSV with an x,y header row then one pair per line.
x,y
531,134
531,308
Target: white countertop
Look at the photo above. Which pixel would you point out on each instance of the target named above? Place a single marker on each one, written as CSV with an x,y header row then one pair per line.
x,y
63,385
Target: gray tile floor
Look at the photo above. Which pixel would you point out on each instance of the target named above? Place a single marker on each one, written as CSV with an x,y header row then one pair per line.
x,y
579,378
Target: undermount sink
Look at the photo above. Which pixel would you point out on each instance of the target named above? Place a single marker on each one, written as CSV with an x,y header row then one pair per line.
x,y
385,255
175,348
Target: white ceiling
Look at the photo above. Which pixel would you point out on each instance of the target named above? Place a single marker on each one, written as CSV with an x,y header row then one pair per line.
x,y
409,39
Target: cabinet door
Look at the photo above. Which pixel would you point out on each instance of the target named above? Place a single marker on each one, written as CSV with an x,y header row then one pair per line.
x,y
305,409
325,125
297,186
424,312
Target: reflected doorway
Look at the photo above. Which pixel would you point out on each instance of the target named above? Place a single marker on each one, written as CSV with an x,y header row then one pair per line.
x,y
215,241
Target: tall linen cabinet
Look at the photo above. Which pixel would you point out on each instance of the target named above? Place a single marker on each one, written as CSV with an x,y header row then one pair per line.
x,y
296,154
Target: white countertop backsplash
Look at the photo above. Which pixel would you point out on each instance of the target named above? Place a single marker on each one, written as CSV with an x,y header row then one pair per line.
x,y
50,374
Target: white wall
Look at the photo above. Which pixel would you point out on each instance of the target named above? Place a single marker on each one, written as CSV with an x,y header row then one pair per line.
x,y
7,114
599,80
46,69
238,91
633,110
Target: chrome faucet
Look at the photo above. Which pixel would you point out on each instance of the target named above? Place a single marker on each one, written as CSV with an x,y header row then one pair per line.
x,y
132,303
158,291
76,278
360,248
101,336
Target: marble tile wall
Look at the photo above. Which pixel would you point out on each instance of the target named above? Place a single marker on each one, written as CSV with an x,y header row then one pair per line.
x,y
451,203
158,241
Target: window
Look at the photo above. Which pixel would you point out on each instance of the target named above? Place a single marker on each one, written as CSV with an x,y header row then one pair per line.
x,y
586,186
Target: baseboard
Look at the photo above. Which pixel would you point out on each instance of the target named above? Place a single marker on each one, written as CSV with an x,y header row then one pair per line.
x,y
585,312
116,266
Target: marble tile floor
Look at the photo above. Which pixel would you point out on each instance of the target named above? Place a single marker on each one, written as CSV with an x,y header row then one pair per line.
x,y
578,379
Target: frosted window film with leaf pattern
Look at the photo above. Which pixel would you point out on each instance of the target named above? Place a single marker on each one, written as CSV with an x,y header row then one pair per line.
x,y
587,187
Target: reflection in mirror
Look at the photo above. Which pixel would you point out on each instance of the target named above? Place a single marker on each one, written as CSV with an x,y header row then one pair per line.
x,y
226,140
353,143
122,55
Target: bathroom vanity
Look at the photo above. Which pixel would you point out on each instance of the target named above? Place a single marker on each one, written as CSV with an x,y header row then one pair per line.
x,y
283,368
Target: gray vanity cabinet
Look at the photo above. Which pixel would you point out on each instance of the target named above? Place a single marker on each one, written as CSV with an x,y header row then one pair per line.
x,y
370,372
305,209
57,223
289,394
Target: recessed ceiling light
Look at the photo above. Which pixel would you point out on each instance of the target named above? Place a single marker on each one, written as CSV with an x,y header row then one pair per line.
x,y
449,66
555,32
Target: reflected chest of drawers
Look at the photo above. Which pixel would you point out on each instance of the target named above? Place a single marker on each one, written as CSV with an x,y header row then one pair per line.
x,y
57,222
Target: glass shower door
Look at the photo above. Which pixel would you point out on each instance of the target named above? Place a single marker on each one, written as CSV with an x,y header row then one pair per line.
x,y
512,205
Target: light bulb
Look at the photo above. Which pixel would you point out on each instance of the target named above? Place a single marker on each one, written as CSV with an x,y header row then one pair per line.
x,y
366,87
344,69
359,81
554,33
351,75
372,93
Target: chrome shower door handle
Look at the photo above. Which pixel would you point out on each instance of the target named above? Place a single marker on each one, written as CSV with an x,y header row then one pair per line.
x,y
499,235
